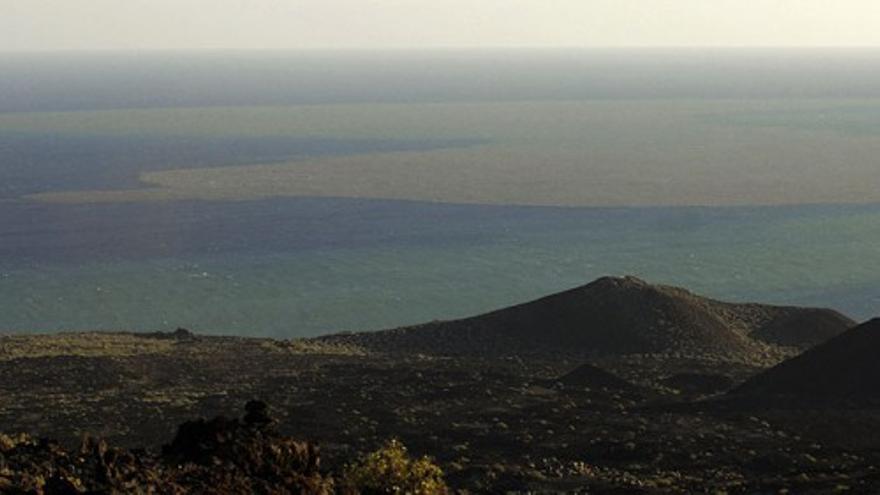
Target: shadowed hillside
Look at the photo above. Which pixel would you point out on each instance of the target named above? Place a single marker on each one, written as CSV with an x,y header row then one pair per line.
x,y
620,316
844,368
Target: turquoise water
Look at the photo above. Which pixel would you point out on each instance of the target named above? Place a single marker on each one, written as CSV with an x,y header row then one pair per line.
x,y
292,267
585,165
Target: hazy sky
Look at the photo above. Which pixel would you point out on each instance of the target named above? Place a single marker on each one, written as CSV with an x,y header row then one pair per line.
x,y
290,24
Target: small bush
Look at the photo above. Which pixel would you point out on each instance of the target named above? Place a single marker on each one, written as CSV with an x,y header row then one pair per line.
x,y
391,471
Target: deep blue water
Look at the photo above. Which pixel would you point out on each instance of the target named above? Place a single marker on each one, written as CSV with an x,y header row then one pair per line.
x,y
45,233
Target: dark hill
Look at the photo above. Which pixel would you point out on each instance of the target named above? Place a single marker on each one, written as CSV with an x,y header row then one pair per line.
x,y
619,316
844,368
589,376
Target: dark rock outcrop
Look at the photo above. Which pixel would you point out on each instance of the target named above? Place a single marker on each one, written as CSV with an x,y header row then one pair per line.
x,y
181,334
206,456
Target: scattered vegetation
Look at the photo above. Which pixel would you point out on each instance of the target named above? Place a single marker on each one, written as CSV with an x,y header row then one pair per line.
x,y
221,455
224,456
390,470
312,346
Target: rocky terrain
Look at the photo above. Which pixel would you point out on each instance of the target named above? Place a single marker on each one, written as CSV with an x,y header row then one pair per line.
x,y
625,417
235,456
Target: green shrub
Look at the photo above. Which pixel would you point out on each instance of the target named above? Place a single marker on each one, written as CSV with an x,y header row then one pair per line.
x,y
391,471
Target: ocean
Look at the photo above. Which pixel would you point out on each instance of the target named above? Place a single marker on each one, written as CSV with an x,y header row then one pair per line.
x,y
295,194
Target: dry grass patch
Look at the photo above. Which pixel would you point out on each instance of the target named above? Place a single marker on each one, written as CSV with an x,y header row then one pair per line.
x,y
310,346
84,344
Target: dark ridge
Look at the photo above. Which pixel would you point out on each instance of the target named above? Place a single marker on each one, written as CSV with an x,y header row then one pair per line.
x,y
619,315
802,327
179,334
846,368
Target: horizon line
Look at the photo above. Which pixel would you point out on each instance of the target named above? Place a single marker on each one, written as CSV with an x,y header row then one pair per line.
x,y
451,48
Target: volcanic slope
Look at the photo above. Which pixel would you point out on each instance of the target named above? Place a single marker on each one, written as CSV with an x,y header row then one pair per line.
x,y
845,368
620,315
